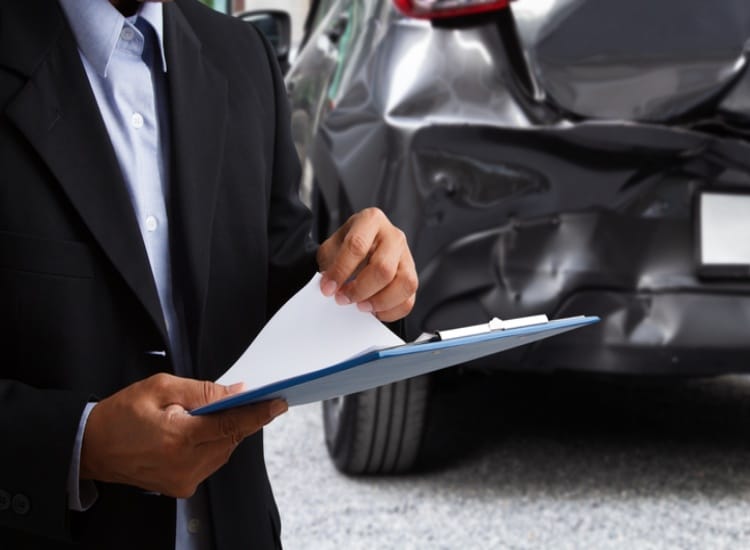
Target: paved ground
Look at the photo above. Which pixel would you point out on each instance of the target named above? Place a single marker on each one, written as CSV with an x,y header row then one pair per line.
x,y
537,462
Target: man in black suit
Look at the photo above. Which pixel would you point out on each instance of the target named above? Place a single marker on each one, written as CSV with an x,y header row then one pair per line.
x,y
83,321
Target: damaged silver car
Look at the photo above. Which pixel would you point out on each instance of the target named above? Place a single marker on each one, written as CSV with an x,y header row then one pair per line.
x,y
542,156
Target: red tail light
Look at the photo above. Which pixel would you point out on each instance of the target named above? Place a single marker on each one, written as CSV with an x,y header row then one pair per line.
x,y
432,9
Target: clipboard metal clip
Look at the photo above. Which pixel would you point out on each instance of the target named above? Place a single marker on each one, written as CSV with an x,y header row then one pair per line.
x,y
493,325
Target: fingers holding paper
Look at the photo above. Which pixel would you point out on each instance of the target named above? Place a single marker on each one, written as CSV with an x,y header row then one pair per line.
x,y
143,435
367,261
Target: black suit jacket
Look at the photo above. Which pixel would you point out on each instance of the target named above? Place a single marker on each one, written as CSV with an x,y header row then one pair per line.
x,y
78,306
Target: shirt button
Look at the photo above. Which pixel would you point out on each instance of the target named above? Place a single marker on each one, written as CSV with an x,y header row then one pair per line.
x,y
151,223
127,34
194,526
21,504
137,120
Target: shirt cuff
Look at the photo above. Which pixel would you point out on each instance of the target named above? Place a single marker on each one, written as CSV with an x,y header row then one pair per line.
x,y
81,494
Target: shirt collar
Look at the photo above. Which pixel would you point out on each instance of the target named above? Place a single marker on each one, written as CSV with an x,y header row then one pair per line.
x,y
97,25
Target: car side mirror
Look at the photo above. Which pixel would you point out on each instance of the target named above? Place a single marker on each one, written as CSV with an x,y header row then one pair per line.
x,y
276,26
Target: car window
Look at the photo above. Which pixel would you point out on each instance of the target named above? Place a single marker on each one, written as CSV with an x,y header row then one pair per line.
x,y
218,5
353,18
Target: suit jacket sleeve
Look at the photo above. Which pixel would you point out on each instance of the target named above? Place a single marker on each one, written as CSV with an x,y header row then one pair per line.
x,y
291,248
38,428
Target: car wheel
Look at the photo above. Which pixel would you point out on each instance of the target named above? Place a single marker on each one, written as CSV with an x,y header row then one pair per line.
x,y
378,431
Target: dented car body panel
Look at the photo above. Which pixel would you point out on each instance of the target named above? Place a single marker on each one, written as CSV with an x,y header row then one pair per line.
x,y
544,159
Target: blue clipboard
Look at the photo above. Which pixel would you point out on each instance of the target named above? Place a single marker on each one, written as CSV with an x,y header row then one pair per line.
x,y
380,367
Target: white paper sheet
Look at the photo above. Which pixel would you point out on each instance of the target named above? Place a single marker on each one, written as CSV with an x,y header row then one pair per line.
x,y
309,332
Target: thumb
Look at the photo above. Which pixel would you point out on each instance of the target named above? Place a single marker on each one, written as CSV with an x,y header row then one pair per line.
x,y
191,394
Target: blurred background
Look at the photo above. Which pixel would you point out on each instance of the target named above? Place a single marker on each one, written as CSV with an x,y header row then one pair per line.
x,y
297,9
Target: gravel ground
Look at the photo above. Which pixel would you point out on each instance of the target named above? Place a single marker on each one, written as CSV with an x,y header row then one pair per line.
x,y
536,461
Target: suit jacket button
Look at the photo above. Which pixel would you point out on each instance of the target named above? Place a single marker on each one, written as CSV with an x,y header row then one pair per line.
x,y
4,500
21,504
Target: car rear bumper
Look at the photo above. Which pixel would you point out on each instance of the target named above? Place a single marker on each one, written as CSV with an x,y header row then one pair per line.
x,y
683,333
657,315
663,333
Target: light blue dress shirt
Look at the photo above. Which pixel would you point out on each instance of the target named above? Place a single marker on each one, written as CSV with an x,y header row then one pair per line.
x,y
128,93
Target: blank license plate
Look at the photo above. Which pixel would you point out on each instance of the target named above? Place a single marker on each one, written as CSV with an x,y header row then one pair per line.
x,y
724,233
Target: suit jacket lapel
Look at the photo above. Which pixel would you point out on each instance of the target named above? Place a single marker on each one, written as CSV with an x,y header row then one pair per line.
x,y
198,100
57,113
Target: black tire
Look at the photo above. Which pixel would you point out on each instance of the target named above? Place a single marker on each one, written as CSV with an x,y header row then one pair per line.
x,y
378,431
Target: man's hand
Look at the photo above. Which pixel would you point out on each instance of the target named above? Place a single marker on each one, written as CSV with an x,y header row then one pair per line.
x,y
368,262
143,435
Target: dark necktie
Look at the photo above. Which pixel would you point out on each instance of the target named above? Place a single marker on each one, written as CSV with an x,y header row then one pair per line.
x,y
151,56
